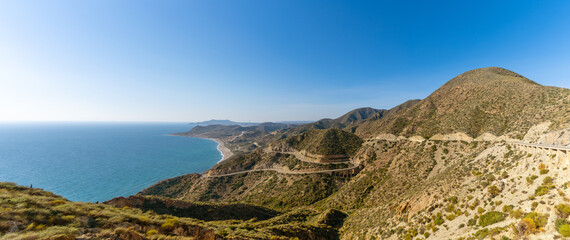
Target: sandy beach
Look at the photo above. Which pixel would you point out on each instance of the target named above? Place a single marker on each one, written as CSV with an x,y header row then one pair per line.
x,y
226,152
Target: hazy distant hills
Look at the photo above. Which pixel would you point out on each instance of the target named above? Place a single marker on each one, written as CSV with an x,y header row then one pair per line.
x,y
243,124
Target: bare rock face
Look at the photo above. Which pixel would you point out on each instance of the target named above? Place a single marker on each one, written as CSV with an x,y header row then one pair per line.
x,y
536,132
387,137
416,139
487,137
537,135
459,136
402,138
437,137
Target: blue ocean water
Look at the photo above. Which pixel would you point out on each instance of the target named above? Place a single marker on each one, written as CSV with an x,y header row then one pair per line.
x,y
99,161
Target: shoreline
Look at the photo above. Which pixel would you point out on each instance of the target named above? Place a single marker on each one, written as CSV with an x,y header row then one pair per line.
x,y
225,151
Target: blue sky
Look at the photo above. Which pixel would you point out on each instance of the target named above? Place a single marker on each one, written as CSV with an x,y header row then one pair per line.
x,y
260,60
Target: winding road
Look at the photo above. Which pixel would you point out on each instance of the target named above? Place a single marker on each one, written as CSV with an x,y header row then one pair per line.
x,y
355,166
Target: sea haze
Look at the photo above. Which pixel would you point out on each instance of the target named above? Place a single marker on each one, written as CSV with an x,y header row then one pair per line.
x,y
99,161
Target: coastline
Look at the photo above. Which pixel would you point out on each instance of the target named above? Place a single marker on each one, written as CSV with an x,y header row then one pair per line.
x,y
225,151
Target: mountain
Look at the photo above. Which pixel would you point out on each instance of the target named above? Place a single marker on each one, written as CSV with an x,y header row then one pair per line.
x,y
493,100
410,187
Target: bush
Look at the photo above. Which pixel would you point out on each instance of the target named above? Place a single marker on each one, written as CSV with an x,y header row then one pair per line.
x,y
543,190
493,191
480,210
562,210
481,234
508,208
169,224
563,227
547,180
534,222
516,213
544,171
452,199
530,179
472,222
491,218
533,206
439,219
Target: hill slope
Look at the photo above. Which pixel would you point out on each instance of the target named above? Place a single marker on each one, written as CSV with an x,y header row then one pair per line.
x,y
493,100
325,142
27,213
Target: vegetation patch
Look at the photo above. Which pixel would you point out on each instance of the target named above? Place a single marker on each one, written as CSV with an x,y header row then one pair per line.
x,y
491,217
563,227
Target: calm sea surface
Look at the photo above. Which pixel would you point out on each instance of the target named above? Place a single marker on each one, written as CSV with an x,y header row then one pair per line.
x,y
99,161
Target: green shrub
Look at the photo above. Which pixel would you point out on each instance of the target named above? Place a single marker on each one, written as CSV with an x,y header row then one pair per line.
x,y
452,199
491,217
169,224
481,234
544,171
563,227
508,208
563,210
438,219
516,213
472,222
480,210
543,190
533,206
539,219
530,179
493,191
547,180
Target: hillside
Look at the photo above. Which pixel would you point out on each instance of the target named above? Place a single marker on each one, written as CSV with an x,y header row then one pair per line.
x,y
29,213
325,142
492,100
348,119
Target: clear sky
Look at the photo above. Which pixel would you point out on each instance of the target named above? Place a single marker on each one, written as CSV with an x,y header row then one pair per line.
x,y
266,60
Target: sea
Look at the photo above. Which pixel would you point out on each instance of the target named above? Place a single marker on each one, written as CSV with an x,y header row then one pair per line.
x,y
92,162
